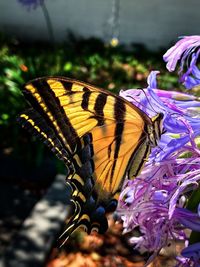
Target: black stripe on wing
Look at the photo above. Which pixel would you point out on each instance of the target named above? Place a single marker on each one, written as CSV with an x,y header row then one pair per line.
x,y
119,113
36,124
58,112
66,84
86,97
53,105
99,106
140,154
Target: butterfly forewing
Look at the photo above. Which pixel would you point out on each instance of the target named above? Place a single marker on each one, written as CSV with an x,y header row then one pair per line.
x,y
100,134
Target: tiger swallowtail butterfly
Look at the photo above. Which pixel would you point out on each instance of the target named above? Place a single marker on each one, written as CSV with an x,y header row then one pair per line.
x,y
100,137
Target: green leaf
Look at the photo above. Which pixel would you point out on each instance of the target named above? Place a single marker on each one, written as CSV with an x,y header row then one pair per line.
x,y
68,66
194,200
5,116
194,237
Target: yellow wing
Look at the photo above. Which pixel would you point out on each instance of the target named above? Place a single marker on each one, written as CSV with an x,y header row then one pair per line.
x,y
99,136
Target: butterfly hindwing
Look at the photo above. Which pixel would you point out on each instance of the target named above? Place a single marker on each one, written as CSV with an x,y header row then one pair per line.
x,y
100,134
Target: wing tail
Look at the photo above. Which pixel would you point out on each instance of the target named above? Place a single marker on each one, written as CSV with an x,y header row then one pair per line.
x,y
90,217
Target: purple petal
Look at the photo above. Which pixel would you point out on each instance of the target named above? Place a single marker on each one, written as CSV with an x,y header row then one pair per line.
x,y
196,72
190,220
192,251
187,50
174,95
175,52
190,82
151,80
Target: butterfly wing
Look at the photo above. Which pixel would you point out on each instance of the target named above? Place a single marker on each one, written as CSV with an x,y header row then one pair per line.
x,y
98,135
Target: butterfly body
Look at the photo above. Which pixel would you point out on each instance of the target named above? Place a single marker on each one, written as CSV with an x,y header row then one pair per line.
x,y
100,136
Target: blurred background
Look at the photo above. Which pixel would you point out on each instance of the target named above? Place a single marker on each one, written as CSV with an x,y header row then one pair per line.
x,y
113,44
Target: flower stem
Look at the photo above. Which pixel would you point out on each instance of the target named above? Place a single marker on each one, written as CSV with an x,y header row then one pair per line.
x,y
48,22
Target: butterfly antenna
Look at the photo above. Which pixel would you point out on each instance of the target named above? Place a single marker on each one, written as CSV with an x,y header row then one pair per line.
x,y
142,105
139,103
149,100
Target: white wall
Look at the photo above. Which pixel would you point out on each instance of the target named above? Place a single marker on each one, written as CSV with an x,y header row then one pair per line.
x,y
152,22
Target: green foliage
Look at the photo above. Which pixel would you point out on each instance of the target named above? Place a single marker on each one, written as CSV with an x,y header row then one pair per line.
x,y
88,60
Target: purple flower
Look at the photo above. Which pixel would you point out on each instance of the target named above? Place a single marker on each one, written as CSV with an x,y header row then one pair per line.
x,y
155,201
192,251
187,51
31,3
191,256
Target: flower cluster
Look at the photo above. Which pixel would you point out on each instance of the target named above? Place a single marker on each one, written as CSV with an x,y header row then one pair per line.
x,y
187,51
156,202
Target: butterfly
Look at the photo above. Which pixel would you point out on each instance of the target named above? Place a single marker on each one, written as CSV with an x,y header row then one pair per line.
x,y
101,138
